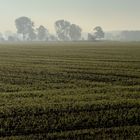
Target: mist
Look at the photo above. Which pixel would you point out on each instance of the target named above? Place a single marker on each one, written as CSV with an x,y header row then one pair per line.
x,y
70,20
64,31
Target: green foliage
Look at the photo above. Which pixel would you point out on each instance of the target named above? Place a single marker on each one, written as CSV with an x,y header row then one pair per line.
x,y
70,91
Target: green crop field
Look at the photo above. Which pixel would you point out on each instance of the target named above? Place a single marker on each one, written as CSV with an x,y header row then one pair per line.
x,y
73,91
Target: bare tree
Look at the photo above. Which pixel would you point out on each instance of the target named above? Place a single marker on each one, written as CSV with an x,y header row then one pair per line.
x,y
99,33
42,33
25,26
62,29
75,32
67,31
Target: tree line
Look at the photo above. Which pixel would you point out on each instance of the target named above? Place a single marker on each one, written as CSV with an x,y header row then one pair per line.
x,y
65,31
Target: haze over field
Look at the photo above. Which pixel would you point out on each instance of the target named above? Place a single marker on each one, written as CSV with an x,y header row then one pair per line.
x,y
70,69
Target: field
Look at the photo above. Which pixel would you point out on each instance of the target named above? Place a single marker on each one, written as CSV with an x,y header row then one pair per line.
x,y
69,91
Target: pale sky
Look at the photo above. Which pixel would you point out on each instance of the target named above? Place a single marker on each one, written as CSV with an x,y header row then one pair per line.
x,y
110,14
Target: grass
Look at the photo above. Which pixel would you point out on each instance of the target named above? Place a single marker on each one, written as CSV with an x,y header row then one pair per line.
x,y
70,91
